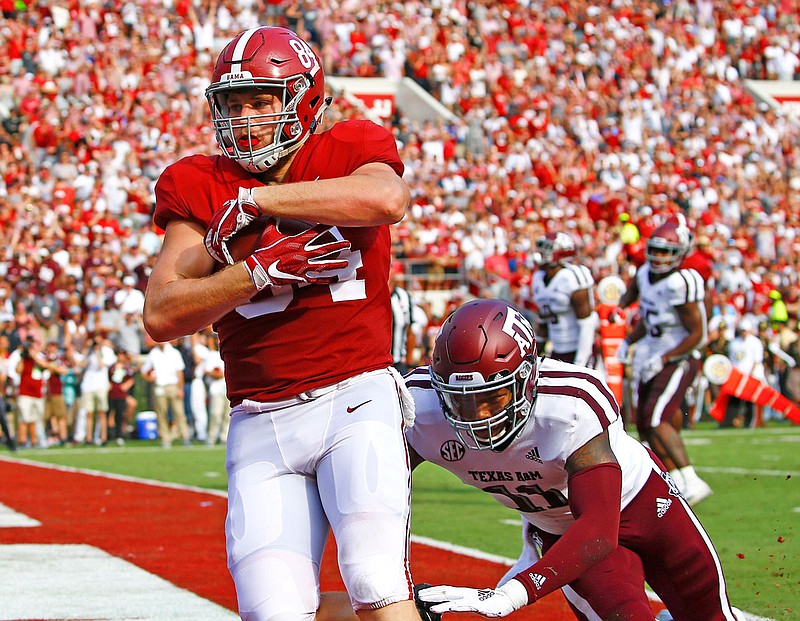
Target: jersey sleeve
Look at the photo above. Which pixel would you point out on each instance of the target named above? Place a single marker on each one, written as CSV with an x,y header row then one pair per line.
x,y
378,143
685,287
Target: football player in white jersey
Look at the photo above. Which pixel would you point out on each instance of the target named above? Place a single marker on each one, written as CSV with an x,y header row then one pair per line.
x,y
671,329
545,437
564,296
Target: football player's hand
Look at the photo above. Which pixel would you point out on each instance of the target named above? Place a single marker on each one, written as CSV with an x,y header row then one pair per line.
x,y
493,603
294,259
652,368
622,352
235,214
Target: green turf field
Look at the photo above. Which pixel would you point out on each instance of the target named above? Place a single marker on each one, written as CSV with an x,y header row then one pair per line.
x,y
753,516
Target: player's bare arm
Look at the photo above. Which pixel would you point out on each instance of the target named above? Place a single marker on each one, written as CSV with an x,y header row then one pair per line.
x,y
637,332
596,451
691,317
630,295
582,303
184,295
372,195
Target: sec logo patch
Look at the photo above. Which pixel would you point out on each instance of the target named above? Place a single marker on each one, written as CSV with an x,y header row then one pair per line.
x,y
452,450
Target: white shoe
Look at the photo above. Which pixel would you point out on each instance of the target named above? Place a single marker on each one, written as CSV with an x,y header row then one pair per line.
x,y
697,491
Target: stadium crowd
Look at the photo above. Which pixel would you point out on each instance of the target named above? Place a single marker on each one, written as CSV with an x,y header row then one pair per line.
x,y
599,121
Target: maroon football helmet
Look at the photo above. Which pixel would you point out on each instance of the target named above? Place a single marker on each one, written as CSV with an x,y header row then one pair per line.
x,y
668,245
277,60
484,370
555,249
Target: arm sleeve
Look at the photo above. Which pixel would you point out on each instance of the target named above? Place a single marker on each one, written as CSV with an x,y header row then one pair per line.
x,y
594,498
586,330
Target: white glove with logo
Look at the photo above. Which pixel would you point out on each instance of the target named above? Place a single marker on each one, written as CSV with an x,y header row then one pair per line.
x,y
652,368
493,603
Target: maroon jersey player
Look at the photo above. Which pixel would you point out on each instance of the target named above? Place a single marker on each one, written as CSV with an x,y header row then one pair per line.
x,y
304,322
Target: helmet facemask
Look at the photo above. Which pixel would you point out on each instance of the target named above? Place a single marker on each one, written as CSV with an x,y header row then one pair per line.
x,y
662,255
487,414
288,129
554,249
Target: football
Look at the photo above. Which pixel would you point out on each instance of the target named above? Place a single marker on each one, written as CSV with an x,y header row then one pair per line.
x,y
248,240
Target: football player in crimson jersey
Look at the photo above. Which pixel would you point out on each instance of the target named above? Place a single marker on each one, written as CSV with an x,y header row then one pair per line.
x,y
304,322
563,292
600,516
671,329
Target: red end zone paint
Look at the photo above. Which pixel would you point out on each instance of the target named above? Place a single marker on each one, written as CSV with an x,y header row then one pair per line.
x,y
178,534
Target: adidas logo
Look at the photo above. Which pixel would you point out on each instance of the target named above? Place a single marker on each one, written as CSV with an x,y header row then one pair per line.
x,y
662,504
533,454
538,580
484,594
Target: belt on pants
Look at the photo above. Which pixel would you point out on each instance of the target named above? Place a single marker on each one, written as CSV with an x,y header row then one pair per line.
x,y
254,407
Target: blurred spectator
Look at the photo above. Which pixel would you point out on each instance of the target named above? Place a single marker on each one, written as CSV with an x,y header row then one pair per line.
x,y
746,352
163,366
5,389
404,316
31,369
55,407
121,381
92,419
218,405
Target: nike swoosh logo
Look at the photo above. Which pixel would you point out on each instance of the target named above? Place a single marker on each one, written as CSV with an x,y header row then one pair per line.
x,y
351,409
274,272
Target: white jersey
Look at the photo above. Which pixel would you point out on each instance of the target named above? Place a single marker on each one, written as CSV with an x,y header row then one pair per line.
x,y
573,405
554,302
658,303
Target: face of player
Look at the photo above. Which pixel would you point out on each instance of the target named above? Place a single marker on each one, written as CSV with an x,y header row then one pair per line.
x,y
257,112
488,408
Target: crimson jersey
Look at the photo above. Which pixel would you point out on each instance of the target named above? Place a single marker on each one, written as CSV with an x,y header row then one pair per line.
x,y
291,339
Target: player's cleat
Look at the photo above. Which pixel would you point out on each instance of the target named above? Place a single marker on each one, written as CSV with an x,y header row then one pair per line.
x,y
424,608
697,491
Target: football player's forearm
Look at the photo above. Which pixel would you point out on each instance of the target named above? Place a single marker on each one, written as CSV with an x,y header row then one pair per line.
x,y
594,497
182,306
368,198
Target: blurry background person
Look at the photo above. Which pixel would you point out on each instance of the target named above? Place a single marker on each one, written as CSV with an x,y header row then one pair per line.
x,y
405,317
4,387
746,352
94,391
31,369
55,407
218,405
121,379
198,391
563,292
163,366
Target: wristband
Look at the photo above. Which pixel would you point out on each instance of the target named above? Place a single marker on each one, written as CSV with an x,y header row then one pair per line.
x,y
257,273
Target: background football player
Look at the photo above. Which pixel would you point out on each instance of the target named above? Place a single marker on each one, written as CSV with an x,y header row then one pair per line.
x,y
304,321
671,329
544,437
563,293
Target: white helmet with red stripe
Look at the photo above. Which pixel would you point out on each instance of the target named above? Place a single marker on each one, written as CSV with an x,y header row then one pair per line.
x,y
555,249
280,62
668,245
